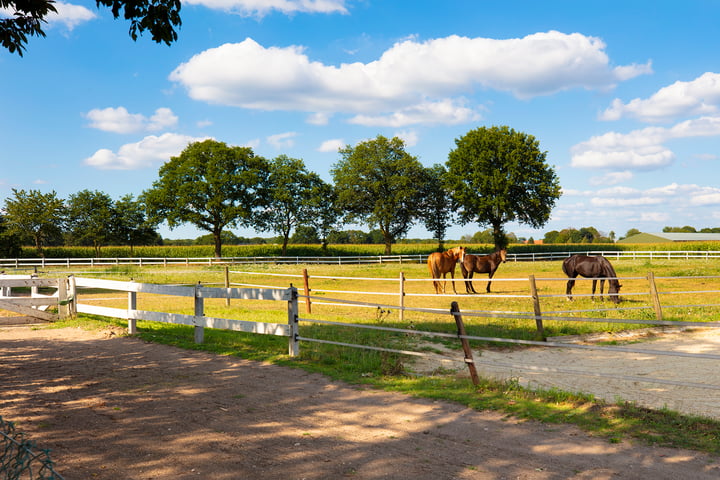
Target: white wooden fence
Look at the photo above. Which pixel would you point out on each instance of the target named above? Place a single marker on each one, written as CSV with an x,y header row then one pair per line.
x,y
24,263
35,304
199,293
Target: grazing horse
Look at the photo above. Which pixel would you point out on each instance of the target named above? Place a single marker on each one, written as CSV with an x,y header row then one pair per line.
x,y
595,268
440,263
481,264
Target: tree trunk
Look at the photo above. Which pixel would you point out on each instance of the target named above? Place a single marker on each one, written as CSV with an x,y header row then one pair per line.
x,y
499,236
218,243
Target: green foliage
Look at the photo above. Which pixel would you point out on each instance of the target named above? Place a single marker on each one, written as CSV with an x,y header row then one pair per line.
x,y
379,183
37,216
91,219
210,185
498,175
159,17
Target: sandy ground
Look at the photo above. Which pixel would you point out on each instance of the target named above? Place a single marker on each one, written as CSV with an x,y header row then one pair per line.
x,y
111,407
693,384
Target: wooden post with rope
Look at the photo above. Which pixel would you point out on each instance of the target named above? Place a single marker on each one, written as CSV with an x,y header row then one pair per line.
x,y
455,310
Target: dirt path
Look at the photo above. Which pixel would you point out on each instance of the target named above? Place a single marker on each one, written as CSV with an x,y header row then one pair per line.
x,y
119,408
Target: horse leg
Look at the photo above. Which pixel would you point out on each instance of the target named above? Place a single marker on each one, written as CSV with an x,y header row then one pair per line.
x,y
593,288
469,282
489,282
569,287
452,274
602,286
444,285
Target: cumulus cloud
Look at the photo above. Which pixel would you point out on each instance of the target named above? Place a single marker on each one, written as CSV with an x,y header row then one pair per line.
x,y
673,195
119,120
260,8
642,149
148,152
681,99
68,15
412,82
332,145
282,140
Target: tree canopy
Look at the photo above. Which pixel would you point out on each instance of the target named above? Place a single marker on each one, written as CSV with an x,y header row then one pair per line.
x,y
159,17
380,184
436,205
210,185
35,215
497,175
291,198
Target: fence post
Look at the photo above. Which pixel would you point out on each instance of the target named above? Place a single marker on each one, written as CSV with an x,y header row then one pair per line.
x,y
306,280
199,312
132,306
62,299
455,310
654,296
72,294
227,285
294,342
536,307
402,296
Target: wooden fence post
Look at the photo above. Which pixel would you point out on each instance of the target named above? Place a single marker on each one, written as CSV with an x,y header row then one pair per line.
x,y
72,294
199,312
654,298
227,284
294,342
306,280
132,305
536,308
455,310
62,299
402,296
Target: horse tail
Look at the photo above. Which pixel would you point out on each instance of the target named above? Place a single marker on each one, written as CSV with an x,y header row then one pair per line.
x,y
566,266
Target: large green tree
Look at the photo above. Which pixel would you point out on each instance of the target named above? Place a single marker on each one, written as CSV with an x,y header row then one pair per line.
x,y
36,216
159,17
437,204
132,226
210,185
91,219
498,175
291,198
380,184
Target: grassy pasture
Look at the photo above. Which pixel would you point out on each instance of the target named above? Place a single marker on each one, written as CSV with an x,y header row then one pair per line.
x,y
386,370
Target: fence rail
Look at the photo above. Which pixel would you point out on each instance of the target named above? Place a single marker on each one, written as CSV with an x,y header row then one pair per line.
x,y
20,263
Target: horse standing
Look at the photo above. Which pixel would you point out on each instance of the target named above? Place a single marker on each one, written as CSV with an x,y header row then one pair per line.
x,y
595,268
481,264
440,263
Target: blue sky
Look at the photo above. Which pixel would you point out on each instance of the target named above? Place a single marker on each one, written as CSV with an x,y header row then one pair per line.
x,y
623,95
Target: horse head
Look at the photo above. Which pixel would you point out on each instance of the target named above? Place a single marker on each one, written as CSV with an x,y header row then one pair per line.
x,y
614,290
503,254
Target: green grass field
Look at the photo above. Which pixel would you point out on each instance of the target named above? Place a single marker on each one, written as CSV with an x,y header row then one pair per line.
x,y
510,293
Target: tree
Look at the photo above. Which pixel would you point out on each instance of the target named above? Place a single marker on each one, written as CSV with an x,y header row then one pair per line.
x,y
159,17
436,205
10,245
498,175
291,198
210,185
305,234
379,183
325,216
37,216
132,226
91,219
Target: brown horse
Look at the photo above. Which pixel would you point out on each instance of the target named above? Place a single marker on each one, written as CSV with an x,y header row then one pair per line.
x,y
440,263
595,268
481,264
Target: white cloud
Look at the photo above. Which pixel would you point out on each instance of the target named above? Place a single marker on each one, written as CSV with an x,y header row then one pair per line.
x,y
119,120
412,82
409,137
332,145
640,149
681,99
149,152
282,140
260,8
